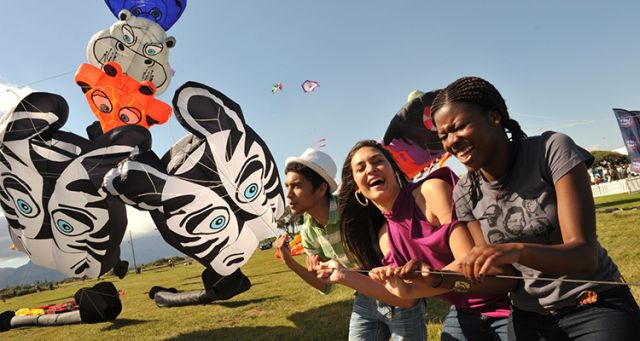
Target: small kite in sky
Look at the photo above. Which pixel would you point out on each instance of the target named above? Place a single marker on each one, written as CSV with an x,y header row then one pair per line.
x,y
309,86
321,143
276,87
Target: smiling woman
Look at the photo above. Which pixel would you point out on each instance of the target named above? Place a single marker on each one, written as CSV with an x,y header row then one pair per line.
x,y
530,198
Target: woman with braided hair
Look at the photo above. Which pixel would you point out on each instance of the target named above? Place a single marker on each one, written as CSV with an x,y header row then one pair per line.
x,y
556,238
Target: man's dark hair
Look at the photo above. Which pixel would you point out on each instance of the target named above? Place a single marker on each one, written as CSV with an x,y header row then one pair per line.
x,y
309,174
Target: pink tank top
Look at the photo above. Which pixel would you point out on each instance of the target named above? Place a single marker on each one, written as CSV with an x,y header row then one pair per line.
x,y
411,236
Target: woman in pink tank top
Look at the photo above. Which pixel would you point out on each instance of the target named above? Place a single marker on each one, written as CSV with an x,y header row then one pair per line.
x,y
418,223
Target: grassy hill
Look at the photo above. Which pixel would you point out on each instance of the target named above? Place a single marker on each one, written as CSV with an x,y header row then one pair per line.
x,y
279,306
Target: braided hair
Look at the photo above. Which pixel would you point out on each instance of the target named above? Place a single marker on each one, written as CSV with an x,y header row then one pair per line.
x,y
479,92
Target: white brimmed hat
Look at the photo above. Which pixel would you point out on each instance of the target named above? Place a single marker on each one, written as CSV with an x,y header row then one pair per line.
x,y
320,163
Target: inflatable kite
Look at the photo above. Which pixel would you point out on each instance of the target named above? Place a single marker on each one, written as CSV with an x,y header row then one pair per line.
x,y
50,187
117,99
411,137
213,196
163,12
295,247
139,45
99,303
309,86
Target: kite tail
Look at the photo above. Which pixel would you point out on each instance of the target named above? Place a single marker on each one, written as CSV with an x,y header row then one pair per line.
x,y
71,317
99,303
216,288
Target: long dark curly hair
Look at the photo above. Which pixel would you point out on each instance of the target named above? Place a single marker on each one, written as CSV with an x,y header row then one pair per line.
x,y
360,225
479,92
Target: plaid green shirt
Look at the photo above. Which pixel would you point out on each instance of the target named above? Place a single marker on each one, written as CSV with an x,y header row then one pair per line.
x,y
324,241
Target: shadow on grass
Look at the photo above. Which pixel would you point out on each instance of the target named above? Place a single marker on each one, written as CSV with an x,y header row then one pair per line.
x,y
235,304
119,323
616,203
267,273
329,322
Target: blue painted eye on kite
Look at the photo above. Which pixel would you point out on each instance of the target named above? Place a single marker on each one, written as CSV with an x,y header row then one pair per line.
x,y
71,222
127,35
27,208
64,226
130,115
218,222
250,180
251,191
25,204
24,207
208,220
101,101
152,49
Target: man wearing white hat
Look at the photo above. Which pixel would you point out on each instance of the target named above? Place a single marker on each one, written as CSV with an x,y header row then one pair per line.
x,y
309,186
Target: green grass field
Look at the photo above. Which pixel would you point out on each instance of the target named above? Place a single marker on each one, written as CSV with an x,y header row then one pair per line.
x,y
279,306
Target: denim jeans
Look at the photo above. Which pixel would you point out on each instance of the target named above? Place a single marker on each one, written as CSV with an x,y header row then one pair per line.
x,y
465,325
372,320
615,316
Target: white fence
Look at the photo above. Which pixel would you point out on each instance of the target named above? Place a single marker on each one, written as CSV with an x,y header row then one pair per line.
x,y
629,185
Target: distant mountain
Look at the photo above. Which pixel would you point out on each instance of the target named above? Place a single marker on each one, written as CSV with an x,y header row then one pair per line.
x,y
28,274
147,248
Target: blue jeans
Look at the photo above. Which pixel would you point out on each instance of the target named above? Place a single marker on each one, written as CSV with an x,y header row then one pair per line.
x,y
615,316
465,325
372,320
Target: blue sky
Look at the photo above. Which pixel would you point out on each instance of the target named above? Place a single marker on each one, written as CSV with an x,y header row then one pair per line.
x,y
560,65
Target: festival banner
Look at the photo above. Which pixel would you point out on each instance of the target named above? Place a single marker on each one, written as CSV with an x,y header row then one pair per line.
x,y
629,123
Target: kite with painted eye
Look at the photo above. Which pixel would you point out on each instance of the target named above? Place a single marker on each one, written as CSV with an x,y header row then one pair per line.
x,y
117,99
139,45
50,187
213,196
411,137
163,12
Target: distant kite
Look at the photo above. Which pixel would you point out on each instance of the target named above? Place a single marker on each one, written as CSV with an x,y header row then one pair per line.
x,y
321,143
309,86
275,87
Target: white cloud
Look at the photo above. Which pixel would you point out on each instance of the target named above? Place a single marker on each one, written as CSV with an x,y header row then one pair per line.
x,y
594,147
139,222
10,95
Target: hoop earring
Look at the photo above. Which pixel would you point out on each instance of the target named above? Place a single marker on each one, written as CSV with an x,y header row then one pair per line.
x,y
399,182
364,202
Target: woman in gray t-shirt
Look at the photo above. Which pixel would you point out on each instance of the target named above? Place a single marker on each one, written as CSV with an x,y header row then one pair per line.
x,y
530,198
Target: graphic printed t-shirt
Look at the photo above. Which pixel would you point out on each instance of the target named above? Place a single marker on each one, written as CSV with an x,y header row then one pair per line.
x,y
526,211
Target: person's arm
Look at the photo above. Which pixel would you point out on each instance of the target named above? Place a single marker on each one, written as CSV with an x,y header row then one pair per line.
x,y
575,256
303,272
435,198
332,272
